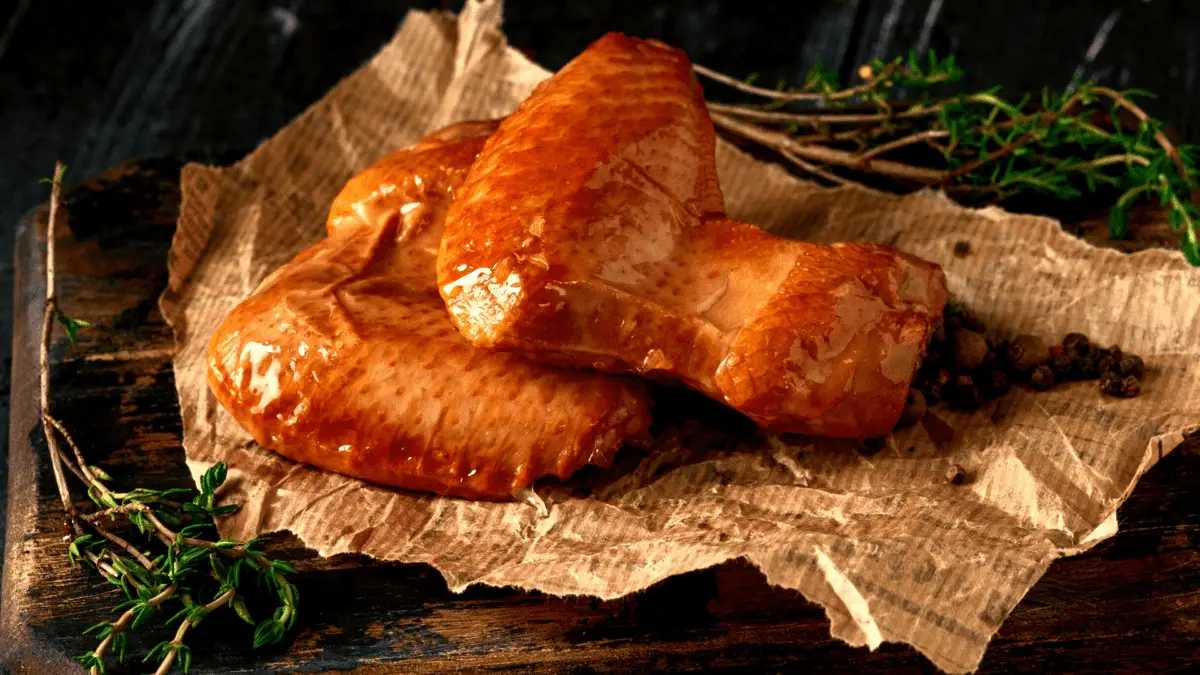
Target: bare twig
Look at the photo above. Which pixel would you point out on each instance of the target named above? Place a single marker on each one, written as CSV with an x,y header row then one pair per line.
x,y
911,139
1004,151
122,624
67,460
177,642
44,363
1114,159
1141,115
122,544
817,118
840,95
814,169
83,470
107,553
751,89
105,569
780,141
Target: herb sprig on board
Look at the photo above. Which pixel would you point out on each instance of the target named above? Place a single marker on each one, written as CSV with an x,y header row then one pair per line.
x,y
1062,144
158,546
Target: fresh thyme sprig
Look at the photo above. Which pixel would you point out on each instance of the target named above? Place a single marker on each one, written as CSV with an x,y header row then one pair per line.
x,y
178,562
1060,144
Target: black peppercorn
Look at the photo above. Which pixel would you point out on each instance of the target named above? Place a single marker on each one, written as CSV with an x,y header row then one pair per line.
x,y
1076,343
1115,385
966,394
1108,362
871,446
1132,366
996,384
1111,383
1025,352
962,248
1086,367
934,355
1133,386
972,322
914,408
1061,364
958,317
989,358
1042,378
969,350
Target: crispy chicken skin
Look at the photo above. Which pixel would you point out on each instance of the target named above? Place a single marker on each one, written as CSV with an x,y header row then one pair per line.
x,y
591,232
345,358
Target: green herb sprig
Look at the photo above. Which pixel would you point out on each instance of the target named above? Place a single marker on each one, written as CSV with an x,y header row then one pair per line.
x,y
194,573
1063,144
178,563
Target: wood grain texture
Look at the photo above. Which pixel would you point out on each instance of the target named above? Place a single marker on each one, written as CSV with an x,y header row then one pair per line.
x,y
1131,605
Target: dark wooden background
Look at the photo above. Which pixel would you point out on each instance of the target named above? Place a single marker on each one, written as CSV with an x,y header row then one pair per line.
x,y
95,83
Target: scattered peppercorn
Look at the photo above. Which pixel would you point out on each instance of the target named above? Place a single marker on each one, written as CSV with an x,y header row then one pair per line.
x,y
996,384
1107,380
962,248
963,368
1027,351
939,333
967,394
1085,367
1042,378
969,350
1132,366
969,321
1133,386
1108,362
944,376
871,446
1115,385
1077,343
956,475
914,408
1061,364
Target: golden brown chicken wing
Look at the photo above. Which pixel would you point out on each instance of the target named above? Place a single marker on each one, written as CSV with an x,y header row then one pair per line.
x,y
344,358
591,232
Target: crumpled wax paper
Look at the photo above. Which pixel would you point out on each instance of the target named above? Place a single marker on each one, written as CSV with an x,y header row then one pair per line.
x,y
890,548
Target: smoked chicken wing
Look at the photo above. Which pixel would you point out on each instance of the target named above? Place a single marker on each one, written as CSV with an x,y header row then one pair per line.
x,y
591,232
345,358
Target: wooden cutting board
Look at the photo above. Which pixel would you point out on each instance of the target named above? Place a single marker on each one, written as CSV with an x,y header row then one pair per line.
x,y
1131,604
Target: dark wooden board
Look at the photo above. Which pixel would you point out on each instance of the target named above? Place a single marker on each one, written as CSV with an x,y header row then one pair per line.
x,y
1133,604
97,83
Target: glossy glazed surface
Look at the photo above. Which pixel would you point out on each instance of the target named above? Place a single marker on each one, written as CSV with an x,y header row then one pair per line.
x,y
591,232
345,358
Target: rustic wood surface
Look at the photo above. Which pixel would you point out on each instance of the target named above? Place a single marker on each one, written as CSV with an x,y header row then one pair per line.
x,y
1133,604
99,83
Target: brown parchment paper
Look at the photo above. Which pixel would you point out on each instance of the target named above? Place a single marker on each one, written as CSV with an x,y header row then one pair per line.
x,y
885,543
